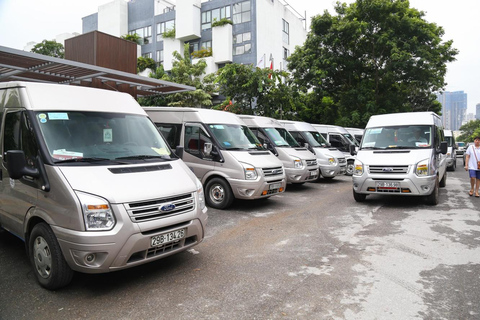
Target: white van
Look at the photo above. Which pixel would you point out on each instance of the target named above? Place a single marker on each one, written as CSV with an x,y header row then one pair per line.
x,y
89,184
338,137
300,164
222,152
451,151
357,133
331,162
401,154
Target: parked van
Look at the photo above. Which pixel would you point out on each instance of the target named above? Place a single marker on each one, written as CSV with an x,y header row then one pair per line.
x,y
338,137
222,152
300,164
89,184
356,133
331,162
401,154
451,150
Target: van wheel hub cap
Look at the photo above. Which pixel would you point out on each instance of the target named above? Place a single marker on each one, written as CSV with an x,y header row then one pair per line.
x,y
42,257
217,193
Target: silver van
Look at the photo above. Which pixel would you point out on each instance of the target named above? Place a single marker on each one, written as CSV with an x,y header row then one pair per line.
x,y
331,162
89,184
300,164
451,150
222,152
338,137
401,154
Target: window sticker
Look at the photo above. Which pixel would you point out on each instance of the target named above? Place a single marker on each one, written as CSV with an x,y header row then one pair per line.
x,y
107,135
42,117
217,126
161,151
57,116
376,131
63,154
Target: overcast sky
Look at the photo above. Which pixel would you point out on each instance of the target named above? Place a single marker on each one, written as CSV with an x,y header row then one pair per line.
x,y
22,21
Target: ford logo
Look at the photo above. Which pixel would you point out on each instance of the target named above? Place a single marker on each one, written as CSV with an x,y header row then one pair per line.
x,y
167,207
387,169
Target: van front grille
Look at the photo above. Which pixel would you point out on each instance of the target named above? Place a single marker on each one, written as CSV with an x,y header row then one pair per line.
x,y
311,162
388,169
269,172
342,161
160,208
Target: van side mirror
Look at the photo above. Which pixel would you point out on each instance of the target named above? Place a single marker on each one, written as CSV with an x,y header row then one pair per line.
x,y
207,149
179,151
306,146
352,150
443,147
17,165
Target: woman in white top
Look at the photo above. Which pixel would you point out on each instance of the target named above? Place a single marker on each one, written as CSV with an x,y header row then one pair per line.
x,y
471,159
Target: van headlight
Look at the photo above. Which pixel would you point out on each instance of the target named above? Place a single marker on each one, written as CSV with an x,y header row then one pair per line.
x,y
97,212
297,163
357,168
201,195
422,168
331,160
250,171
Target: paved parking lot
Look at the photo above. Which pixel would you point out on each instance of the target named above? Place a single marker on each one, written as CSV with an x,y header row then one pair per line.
x,y
310,253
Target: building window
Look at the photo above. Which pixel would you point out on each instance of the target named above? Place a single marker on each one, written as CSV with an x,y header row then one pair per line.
x,y
246,48
164,26
159,56
206,45
286,53
241,12
214,15
145,34
242,37
286,32
147,55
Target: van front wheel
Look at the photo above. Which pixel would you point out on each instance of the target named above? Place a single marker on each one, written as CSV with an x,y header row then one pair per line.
x,y
49,265
432,199
219,194
359,197
349,169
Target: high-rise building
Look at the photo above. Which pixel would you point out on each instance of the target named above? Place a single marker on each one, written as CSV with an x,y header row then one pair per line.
x,y
454,108
263,33
477,111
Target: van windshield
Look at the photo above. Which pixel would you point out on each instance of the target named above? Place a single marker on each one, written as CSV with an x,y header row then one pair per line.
x,y
281,137
351,139
319,140
75,136
235,137
398,137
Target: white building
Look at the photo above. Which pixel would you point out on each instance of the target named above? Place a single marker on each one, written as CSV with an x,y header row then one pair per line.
x,y
264,32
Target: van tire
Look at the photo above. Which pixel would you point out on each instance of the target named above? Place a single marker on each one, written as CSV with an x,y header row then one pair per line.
x,y
49,265
432,199
359,197
349,168
219,195
443,182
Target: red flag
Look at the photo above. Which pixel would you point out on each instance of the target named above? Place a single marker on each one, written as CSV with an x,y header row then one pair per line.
x,y
271,68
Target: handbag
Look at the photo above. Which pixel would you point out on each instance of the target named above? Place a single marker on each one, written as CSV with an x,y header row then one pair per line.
x,y
478,162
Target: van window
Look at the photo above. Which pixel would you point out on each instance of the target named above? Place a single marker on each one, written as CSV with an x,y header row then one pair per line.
x,y
171,133
275,136
195,139
235,137
398,137
287,137
19,136
77,134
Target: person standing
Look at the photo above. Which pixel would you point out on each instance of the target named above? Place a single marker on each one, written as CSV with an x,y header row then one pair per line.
x,y
471,164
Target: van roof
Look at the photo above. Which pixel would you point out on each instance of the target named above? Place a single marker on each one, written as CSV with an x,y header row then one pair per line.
x,y
405,118
195,115
291,125
63,97
261,122
327,128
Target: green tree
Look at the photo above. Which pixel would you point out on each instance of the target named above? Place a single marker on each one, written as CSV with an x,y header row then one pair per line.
x,y
373,57
144,63
184,72
132,37
469,130
50,48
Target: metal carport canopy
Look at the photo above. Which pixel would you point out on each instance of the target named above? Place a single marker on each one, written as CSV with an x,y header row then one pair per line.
x,y
18,65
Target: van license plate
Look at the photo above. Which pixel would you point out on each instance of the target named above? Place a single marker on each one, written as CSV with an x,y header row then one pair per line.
x,y
313,173
387,184
275,186
167,237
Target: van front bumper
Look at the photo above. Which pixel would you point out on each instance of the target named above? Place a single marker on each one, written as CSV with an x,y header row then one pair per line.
x,y
301,175
256,189
420,186
330,171
125,246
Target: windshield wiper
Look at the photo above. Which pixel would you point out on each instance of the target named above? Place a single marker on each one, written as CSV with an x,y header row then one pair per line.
x,y
91,159
142,157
